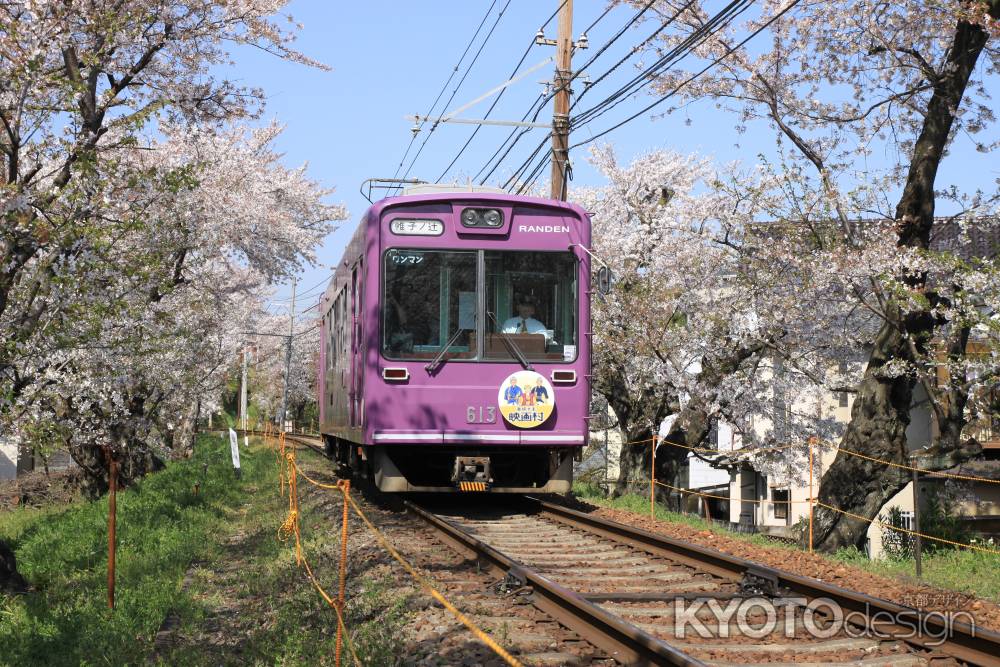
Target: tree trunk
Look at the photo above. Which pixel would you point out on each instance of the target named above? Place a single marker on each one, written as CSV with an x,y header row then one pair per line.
x,y
881,409
639,417
879,418
131,443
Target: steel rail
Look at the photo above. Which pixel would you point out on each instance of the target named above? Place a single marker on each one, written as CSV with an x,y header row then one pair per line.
x,y
629,644
623,641
973,645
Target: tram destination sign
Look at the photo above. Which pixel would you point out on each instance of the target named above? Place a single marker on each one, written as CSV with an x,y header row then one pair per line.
x,y
410,227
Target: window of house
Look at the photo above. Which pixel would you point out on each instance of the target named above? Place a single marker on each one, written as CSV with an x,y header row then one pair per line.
x,y
780,498
842,371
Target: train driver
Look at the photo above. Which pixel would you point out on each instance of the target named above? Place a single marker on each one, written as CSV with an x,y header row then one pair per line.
x,y
524,321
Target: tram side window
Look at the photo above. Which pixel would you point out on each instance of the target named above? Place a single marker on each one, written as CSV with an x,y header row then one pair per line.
x,y
429,300
531,302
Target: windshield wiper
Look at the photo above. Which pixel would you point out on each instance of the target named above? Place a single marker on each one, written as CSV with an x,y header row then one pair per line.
x,y
511,345
437,360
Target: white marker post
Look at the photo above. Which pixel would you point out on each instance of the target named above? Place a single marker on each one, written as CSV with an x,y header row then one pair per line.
x,y
234,447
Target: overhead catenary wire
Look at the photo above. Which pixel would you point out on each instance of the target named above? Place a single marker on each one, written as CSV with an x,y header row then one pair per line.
x,y
677,88
649,74
444,87
454,92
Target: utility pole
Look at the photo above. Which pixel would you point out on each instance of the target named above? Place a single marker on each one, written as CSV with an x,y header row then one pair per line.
x,y
288,359
560,110
243,393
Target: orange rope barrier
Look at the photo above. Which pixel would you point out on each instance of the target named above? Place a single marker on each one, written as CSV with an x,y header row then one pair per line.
x,y
291,527
935,473
706,450
346,489
483,637
906,530
711,495
812,501
757,450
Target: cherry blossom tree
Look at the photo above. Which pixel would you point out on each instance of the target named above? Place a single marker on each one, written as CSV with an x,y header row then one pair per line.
x,y
78,81
159,322
267,368
127,265
669,321
864,100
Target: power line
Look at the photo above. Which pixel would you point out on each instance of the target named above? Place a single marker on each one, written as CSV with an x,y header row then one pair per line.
x,y
538,171
458,86
540,104
524,165
607,9
497,100
677,53
552,93
677,88
632,52
321,283
437,99
536,107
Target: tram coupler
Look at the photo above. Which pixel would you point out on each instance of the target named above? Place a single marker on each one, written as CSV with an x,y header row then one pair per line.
x,y
472,473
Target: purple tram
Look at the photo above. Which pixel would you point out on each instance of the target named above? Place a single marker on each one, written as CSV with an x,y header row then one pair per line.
x,y
456,344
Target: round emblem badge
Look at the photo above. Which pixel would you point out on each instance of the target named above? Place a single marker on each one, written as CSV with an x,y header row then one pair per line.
x,y
526,399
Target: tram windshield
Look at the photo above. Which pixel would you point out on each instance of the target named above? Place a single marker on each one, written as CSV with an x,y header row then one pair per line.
x,y
437,298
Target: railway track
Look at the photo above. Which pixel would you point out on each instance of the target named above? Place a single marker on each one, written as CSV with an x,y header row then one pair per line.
x,y
650,600
646,599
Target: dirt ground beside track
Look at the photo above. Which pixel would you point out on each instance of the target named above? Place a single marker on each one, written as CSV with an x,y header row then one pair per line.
x,y
908,593
36,489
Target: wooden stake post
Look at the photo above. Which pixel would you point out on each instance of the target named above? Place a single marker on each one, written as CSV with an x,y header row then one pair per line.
x,y
812,499
112,524
918,543
652,482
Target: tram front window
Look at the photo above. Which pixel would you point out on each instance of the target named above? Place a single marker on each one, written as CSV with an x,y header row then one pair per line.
x,y
429,300
531,302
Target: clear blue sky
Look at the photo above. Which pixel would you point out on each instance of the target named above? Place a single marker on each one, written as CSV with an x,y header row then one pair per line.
x,y
390,59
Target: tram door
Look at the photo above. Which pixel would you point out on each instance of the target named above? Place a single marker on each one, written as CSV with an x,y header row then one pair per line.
x,y
353,390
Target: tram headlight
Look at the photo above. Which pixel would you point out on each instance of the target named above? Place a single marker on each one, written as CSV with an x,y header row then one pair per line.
x,y
470,217
482,217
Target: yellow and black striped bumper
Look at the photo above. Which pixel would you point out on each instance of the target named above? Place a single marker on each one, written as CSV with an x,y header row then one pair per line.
x,y
472,486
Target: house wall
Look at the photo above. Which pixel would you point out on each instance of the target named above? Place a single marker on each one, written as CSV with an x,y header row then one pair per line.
x,y
8,458
904,501
610,440
796,479
982,499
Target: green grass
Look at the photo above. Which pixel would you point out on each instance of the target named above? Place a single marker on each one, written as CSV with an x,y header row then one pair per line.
x,y
972,572
228,529
965,571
